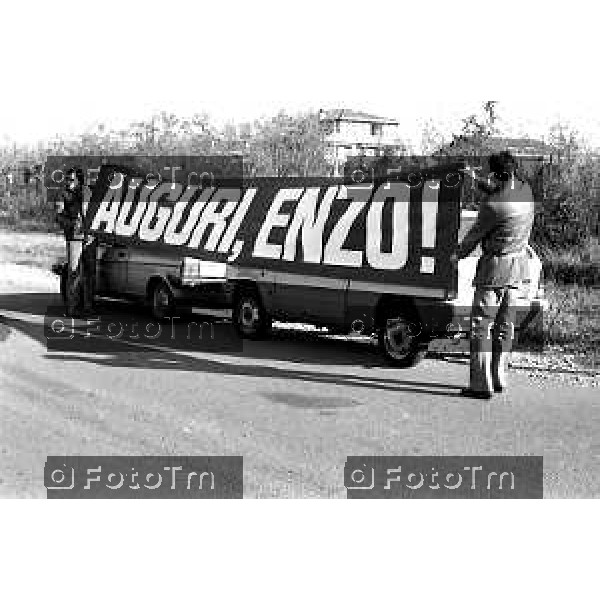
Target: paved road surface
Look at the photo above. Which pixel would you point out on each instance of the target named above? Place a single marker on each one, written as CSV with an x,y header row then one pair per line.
x,y
294,407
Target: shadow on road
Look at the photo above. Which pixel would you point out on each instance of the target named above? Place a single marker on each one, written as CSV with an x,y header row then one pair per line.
x,y
166,353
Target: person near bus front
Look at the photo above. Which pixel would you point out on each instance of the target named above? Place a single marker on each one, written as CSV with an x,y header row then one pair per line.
x,y
80,247
503,227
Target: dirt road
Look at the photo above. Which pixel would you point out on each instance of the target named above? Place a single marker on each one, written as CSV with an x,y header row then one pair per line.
x,y
294,406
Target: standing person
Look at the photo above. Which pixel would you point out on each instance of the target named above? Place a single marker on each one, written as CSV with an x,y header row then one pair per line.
x,y
502,228
90,246
71,213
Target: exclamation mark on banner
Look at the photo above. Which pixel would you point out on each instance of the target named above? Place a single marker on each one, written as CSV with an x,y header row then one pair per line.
x,y
431,191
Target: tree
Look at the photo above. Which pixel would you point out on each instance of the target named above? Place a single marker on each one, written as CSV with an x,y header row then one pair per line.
x,y
431,139
474,142
287,146
570,210
477,133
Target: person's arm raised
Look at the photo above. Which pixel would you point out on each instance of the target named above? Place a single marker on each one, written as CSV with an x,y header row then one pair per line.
x,y
487,185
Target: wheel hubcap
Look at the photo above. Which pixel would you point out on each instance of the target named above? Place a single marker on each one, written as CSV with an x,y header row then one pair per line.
x,y
161,299
398,337
249,315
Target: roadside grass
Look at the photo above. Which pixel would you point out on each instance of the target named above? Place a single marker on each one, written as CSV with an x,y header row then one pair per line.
x,y
25,210
34,249
572,321
579,266
570,325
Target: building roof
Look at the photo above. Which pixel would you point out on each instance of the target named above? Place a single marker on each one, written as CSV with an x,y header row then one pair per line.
x,y
345,114
519,146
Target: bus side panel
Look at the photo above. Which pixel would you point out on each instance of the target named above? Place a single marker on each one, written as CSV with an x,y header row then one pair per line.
x,y
298,301
360,311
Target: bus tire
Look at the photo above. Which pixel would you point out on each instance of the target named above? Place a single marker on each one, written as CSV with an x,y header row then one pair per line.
x,y
250,319
399,341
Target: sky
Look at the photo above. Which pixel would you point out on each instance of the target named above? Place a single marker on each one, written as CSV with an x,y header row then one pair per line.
x,y
72,67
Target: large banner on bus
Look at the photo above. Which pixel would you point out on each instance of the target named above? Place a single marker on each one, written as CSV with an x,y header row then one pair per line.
x,y
398,228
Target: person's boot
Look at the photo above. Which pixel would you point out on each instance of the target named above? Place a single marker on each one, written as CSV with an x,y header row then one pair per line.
x,y
480,379
499,359
469,393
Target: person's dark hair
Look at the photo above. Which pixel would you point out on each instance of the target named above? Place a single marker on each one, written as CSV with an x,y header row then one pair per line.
x,y
503,165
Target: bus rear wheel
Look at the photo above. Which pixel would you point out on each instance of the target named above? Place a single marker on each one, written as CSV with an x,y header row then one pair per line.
x,y
399,339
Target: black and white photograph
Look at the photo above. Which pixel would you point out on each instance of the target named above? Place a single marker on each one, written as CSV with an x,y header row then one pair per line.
x,y
308,251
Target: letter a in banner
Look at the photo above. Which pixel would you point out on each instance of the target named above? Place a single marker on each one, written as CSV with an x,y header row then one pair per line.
x,y
108,210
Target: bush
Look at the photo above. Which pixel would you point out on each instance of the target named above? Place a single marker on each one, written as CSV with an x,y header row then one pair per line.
x,y
571,265
24,210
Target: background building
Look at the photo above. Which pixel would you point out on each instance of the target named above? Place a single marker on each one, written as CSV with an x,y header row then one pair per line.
x,y
351,133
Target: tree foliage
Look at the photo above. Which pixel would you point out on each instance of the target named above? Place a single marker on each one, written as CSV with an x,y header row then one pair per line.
x,y
571,181
566,182
283,146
